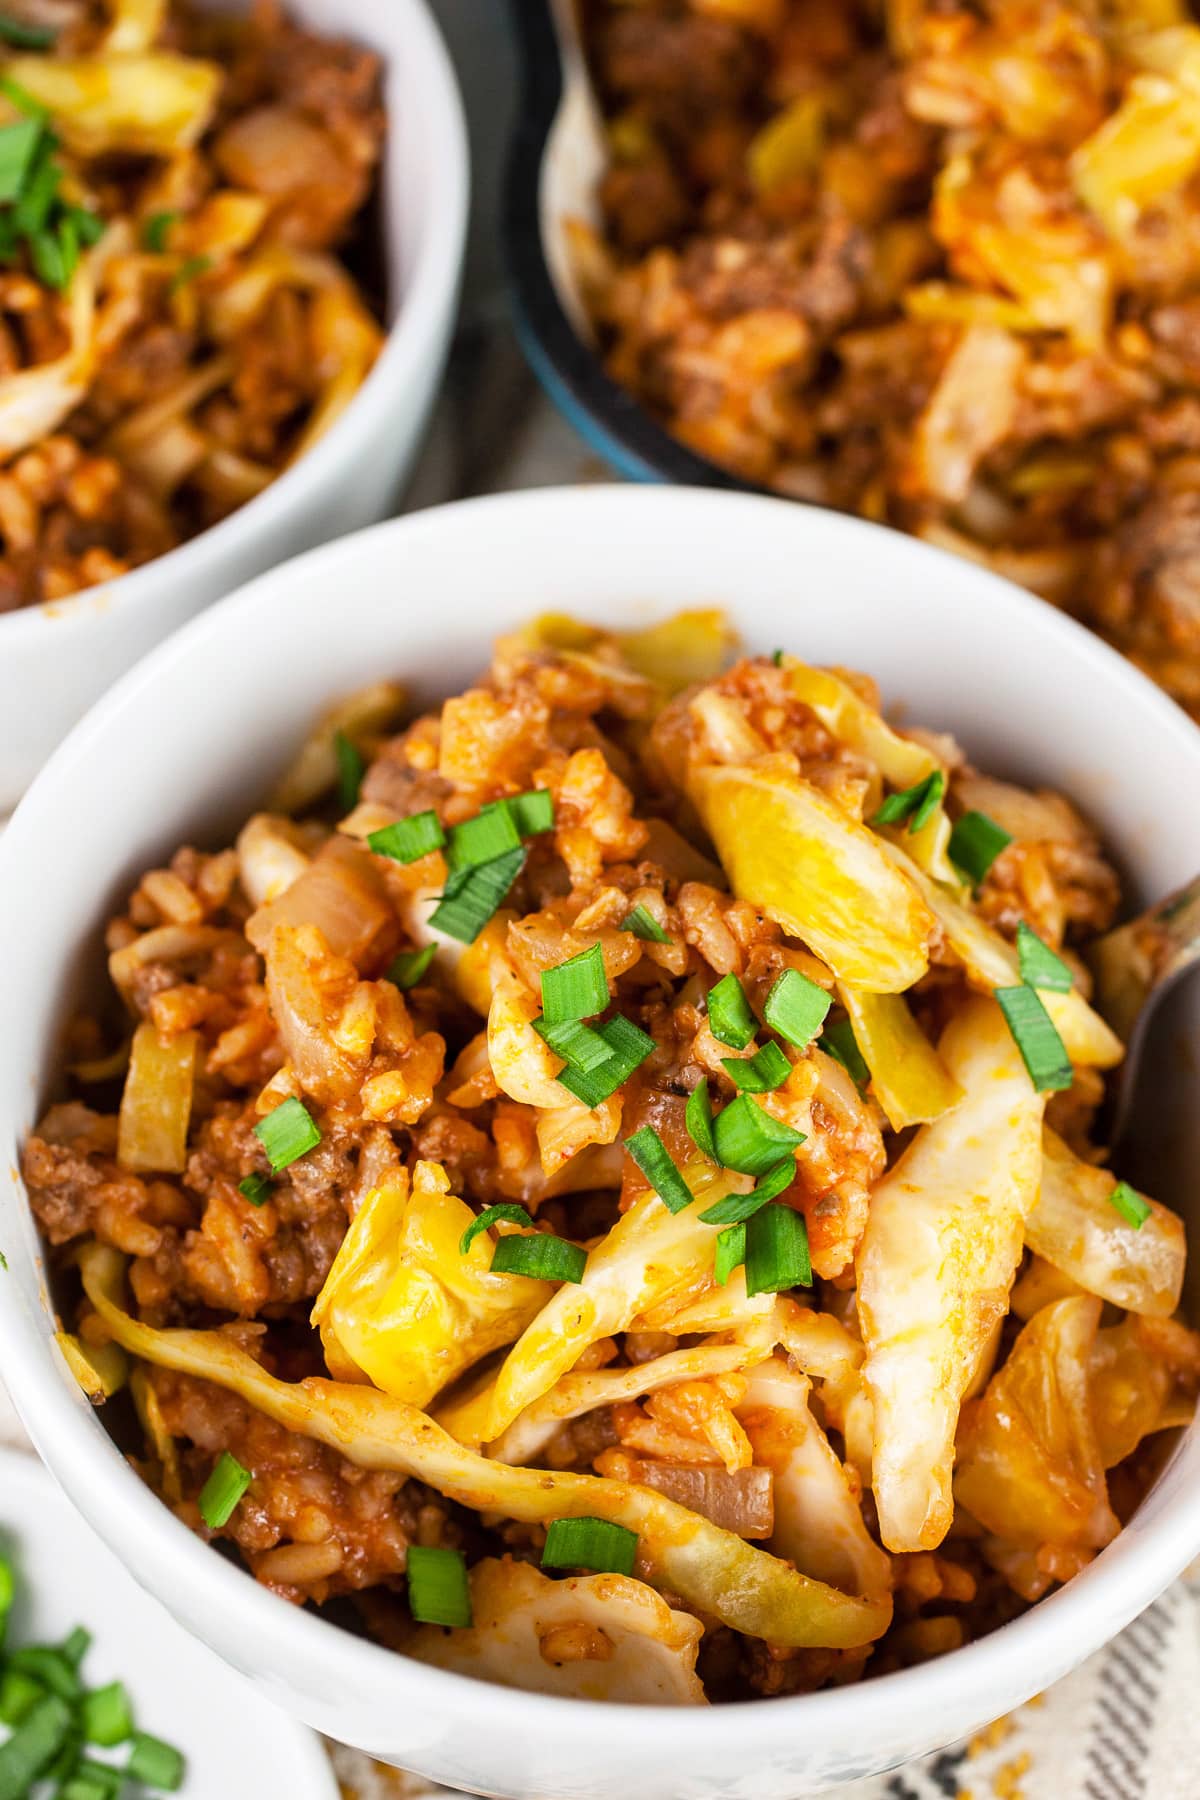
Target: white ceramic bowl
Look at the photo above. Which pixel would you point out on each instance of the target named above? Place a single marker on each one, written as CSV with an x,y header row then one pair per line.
x,y
56,659
190,740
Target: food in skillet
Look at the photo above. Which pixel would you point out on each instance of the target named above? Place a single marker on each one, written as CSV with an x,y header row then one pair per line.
x,y
176,324
607,1190
934,263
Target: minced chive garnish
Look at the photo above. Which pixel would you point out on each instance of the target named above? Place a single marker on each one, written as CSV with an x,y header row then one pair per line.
x,y
761,1073
351,768
729,1015
1130,1204
26,37
408,839
222,1491
19,1694
542,1257
107,1715
46,1727
508,1210
654,1160
89,226
730,1253
255,1188
777,658
749,1139
597,1544
580,1047
777,1251
735,1208
1033,1031
575,989
643,924
480,840
840,1042
533,812
698,1118
1040,967
796,1007
975,843
157,229
154,1763
287,1133
76,1645
917,803
91,1780
32,210
438,1590
628,1046
466,907
47,1664
406,970
18,147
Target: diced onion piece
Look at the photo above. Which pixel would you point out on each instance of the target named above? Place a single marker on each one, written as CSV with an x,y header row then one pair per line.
x,y
148,103
908,1077
341,893
738,1500
690,646
156,1104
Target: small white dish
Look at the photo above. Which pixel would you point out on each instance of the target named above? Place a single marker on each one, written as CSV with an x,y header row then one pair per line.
x,y
235,1743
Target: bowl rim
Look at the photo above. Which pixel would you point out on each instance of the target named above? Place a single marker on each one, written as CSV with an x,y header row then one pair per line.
x,y
432,285
1124,1579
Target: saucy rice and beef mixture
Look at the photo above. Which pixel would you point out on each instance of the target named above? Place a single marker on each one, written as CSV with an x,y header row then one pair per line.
x,y
598,1182
932,262
177,325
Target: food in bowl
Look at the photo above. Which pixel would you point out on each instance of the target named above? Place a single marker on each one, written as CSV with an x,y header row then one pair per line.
x,y
178,323
934,264
600,1180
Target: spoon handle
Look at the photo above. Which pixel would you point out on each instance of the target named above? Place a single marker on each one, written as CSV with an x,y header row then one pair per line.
x,y
1134,961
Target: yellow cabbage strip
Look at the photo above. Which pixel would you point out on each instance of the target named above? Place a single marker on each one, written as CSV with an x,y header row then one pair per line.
x,y
648,1254
935,1265
101,1370
403,1305
314,769
150,1417
1144,150
694,645
908,1077
818,1343
135,25
991,962
814,870
156,1102
1075,1227
149,103
714,1571
788,147
35,401
345,340
644,1655
1029,1466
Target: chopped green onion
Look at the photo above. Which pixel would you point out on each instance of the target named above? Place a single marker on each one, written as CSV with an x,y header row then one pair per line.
x,y
917,803
599,1544
777,1251
1036,1037
34,1744
541,1257
796,1007
654,1160
628,1047
75,1645
575,989
643,924
23,100
18,146
287,1133
729,1015
777,658
45,1663
107,1715
751,1140
19,1694
1040,967
255,1188
581,1048
840,1042
736,1208
156,230
761,1073
508,1210
351,768
1133,1208
89,226
26,37
49,263
64,1764
68,243
730,1252
438,1590
91,1780
491,833
189,270
37,197
408,839
8,1589
532,811
698,1118
155,1764
466,907
222,1491
975,843
407,969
